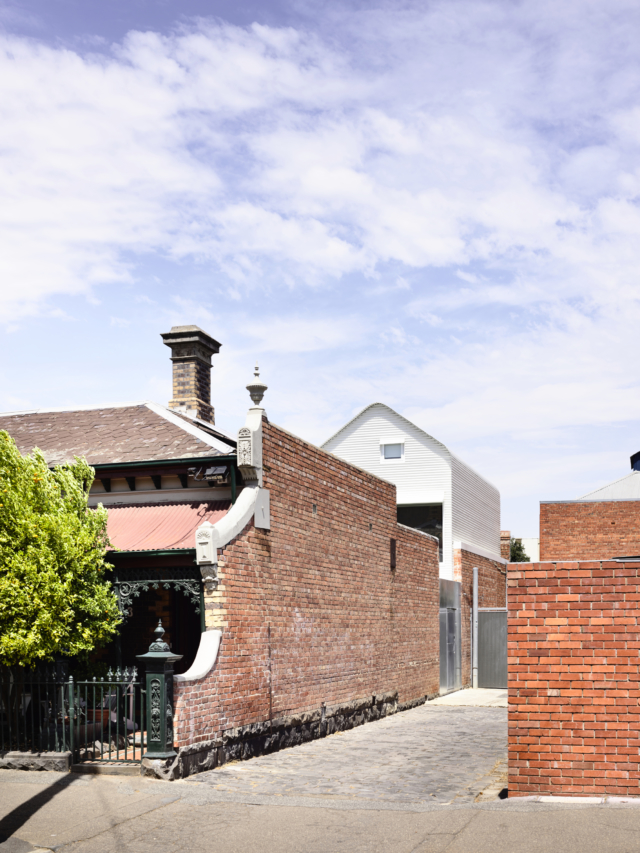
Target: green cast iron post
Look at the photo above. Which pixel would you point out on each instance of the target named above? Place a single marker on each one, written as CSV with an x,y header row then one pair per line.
x,y
159,681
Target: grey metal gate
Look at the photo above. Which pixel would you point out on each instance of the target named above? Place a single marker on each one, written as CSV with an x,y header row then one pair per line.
x,y
450,675
492,647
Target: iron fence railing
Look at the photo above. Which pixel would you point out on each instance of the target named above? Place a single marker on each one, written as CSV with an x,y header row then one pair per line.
x,y
44,710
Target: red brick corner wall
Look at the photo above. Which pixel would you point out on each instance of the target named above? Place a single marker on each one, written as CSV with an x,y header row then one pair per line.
x,y
313,615
492,592
574,678
589,530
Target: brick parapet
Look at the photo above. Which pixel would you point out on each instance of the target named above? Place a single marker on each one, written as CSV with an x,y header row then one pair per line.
x,y
574,678
589,530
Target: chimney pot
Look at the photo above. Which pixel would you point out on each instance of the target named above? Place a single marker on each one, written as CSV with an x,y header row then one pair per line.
x,y
191,351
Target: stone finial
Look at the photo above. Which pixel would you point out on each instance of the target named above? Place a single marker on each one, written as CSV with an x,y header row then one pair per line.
x,y
256,388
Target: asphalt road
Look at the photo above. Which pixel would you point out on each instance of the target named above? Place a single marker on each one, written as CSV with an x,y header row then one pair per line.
x,y
334,795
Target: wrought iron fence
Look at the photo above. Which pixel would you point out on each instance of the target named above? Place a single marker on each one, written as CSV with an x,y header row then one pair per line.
x,y
44,710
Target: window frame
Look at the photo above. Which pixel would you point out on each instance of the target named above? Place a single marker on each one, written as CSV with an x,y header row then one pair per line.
x,y
393,459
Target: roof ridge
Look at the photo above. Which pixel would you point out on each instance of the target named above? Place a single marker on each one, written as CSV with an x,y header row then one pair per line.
x,y
384,405
607,485
87,408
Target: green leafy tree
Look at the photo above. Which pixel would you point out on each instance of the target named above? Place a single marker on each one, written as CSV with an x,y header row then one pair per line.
x,y
54,598
518,554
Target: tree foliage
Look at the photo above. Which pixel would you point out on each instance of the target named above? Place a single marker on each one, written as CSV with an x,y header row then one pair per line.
x,y
54,598
518,554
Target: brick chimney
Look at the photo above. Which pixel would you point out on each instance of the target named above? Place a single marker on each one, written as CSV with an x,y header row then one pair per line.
x,y
191,351
505,544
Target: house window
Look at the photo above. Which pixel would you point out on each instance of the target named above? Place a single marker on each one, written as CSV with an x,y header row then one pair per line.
x,y
392,451
425,517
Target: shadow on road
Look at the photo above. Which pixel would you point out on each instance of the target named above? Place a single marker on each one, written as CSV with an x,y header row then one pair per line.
x,y
21,814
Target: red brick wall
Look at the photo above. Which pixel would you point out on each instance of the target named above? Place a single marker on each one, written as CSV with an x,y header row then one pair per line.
x,y
312,611
492,590
590,530
574,678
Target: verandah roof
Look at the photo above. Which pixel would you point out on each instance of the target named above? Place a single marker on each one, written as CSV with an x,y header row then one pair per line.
x,y
162,526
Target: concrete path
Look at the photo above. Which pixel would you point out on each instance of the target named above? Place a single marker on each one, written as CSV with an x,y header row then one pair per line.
x,y
297,807
481,697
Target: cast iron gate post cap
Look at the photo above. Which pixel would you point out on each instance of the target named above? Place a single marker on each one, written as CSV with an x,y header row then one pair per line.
x,y
159,650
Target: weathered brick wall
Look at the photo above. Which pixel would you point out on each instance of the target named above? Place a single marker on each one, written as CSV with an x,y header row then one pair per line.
x,y
492,590
589,530
311,612
574,678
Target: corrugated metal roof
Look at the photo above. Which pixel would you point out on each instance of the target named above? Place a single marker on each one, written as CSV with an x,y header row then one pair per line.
x,y
626,488
160,527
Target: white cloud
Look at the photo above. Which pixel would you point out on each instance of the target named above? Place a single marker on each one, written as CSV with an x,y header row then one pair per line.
x,y
246,148
460,180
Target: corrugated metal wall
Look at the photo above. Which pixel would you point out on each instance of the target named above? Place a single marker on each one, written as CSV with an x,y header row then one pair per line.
x,y
425,468
471,505
476,508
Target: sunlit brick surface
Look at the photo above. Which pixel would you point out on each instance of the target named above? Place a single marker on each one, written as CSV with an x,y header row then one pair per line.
x,y
311,611
574,678
589,530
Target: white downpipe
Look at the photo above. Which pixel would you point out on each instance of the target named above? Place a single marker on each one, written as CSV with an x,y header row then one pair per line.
x,y
474,679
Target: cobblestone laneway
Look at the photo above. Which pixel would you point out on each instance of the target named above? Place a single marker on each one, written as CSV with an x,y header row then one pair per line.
x,y
431,754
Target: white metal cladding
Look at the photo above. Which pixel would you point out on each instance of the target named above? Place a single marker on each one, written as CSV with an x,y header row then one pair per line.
x,y
425,475
425,471
476,508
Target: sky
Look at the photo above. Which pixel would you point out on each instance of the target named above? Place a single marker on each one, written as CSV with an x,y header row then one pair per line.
x,y
432,205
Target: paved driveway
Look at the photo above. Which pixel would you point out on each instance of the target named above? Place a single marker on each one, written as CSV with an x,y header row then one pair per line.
x,y
432,754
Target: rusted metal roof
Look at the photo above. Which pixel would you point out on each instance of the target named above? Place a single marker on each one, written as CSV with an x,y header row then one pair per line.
x,y
160,527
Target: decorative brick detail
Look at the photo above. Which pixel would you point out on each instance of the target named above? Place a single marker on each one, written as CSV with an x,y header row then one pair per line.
x,y
574,678
589,530
311,612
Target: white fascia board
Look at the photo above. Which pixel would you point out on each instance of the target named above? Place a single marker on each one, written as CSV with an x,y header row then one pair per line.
x,y
160,496
215,428
481,552
405,497
204,437
205,658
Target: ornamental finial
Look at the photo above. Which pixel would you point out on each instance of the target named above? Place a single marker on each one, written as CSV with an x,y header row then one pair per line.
x,y
158,645
256,388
